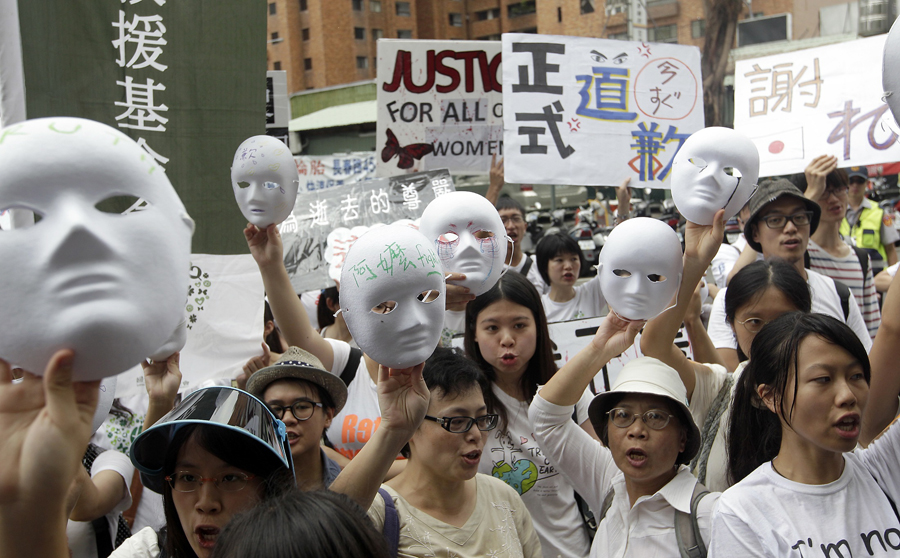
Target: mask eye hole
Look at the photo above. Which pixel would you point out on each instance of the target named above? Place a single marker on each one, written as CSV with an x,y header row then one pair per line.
x,y
37,217
118,204
698,162
429,296
731,171
270,185
448,237
482,235
656,278
243,184
385,307
621,273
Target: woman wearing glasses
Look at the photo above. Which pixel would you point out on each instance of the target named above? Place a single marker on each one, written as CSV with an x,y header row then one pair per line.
x,y
305,397
438,505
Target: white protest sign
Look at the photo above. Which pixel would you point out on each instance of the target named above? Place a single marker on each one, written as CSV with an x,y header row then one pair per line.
x,y
819,101
5,220
594,111
439,106
319,172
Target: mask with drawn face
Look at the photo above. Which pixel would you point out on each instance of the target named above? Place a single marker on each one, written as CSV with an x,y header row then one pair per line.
x,y
469,238
88,277
640,268
715,168
392,295
265,180
890,73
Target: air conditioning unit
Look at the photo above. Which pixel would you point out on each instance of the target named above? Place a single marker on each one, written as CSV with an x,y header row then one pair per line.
x,y
764,30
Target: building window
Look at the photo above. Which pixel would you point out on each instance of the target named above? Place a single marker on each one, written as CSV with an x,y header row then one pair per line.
x,y
698,28
522,8
404,34
276,66
375,6
559,15
403,9
619,36
377,34
374,62
487,14
664,34
357,5
274,36
362,63
307,63
456,20
303,6
587,6
304,33
272,9
359,33
489,38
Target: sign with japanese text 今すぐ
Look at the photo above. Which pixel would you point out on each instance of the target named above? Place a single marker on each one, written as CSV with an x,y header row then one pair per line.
x,y
595,111
819,101
439,106
319,172
325,223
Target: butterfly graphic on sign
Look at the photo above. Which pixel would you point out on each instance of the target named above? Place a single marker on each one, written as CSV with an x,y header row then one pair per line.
x,y
198,294
406,154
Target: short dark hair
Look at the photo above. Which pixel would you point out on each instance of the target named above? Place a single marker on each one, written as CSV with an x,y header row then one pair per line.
x,y
325,316
554,245
506,202
301,524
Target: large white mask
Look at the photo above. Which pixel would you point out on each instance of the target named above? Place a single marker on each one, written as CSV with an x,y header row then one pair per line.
x,y
392,295
715,168
890,73
469,238
87,277
265,180
640,268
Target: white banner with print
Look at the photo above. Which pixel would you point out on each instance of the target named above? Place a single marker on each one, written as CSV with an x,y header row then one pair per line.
x,y
819,101
594,111
439,106
320,172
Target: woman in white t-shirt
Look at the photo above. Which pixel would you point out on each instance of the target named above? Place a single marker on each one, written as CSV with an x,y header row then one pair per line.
x,y
506,334
801,488
559,260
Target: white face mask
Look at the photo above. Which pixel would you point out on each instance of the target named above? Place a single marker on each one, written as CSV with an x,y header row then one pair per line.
x,y
104,403
108,285
890,74
392,295
715,168
265,180
469,238
640,268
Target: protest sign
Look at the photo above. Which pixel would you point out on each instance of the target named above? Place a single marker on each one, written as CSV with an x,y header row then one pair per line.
x,y
594,111
318,172
819,101
439,106
5,221
325,223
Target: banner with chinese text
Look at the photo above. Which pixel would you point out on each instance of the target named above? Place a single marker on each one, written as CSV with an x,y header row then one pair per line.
x,y
318,172
439,106
186,80
325,223
819,101
594,111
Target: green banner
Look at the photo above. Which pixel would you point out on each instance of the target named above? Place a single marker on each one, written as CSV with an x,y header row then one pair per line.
x,y
184,78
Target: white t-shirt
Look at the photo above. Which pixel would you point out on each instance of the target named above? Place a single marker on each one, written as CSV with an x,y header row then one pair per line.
x,y
454,322
514,456
354,425
725,259
768,515
587,303
892,270
499,526
646,529
143,544
533,274
706,388
82,541
825,300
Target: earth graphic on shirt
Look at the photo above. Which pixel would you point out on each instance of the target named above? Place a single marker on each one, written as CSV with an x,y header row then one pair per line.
x,y
521,475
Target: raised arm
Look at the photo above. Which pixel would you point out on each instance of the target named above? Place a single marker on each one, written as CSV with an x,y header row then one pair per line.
x,y
162,380
701,244
885,384
496,180
290,315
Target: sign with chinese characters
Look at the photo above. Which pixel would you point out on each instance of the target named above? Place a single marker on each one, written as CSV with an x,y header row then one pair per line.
x,y
819,101
439,106
594,111
5,220
319,172
141,66
326,222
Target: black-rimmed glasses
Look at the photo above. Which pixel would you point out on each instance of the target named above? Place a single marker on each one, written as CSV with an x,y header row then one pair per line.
x,y
302,409
459,425
185,481
801,219
654,418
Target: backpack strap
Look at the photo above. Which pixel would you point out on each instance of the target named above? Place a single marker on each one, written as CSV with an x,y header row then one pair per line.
x,y
863,258
391,522
527,266
843,292
711,428
349,371
687,528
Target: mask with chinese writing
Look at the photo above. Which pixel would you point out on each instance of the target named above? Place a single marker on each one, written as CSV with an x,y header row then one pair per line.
x,y
640,268
890,74
392,295
265,180
715,168
89,275
469,238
